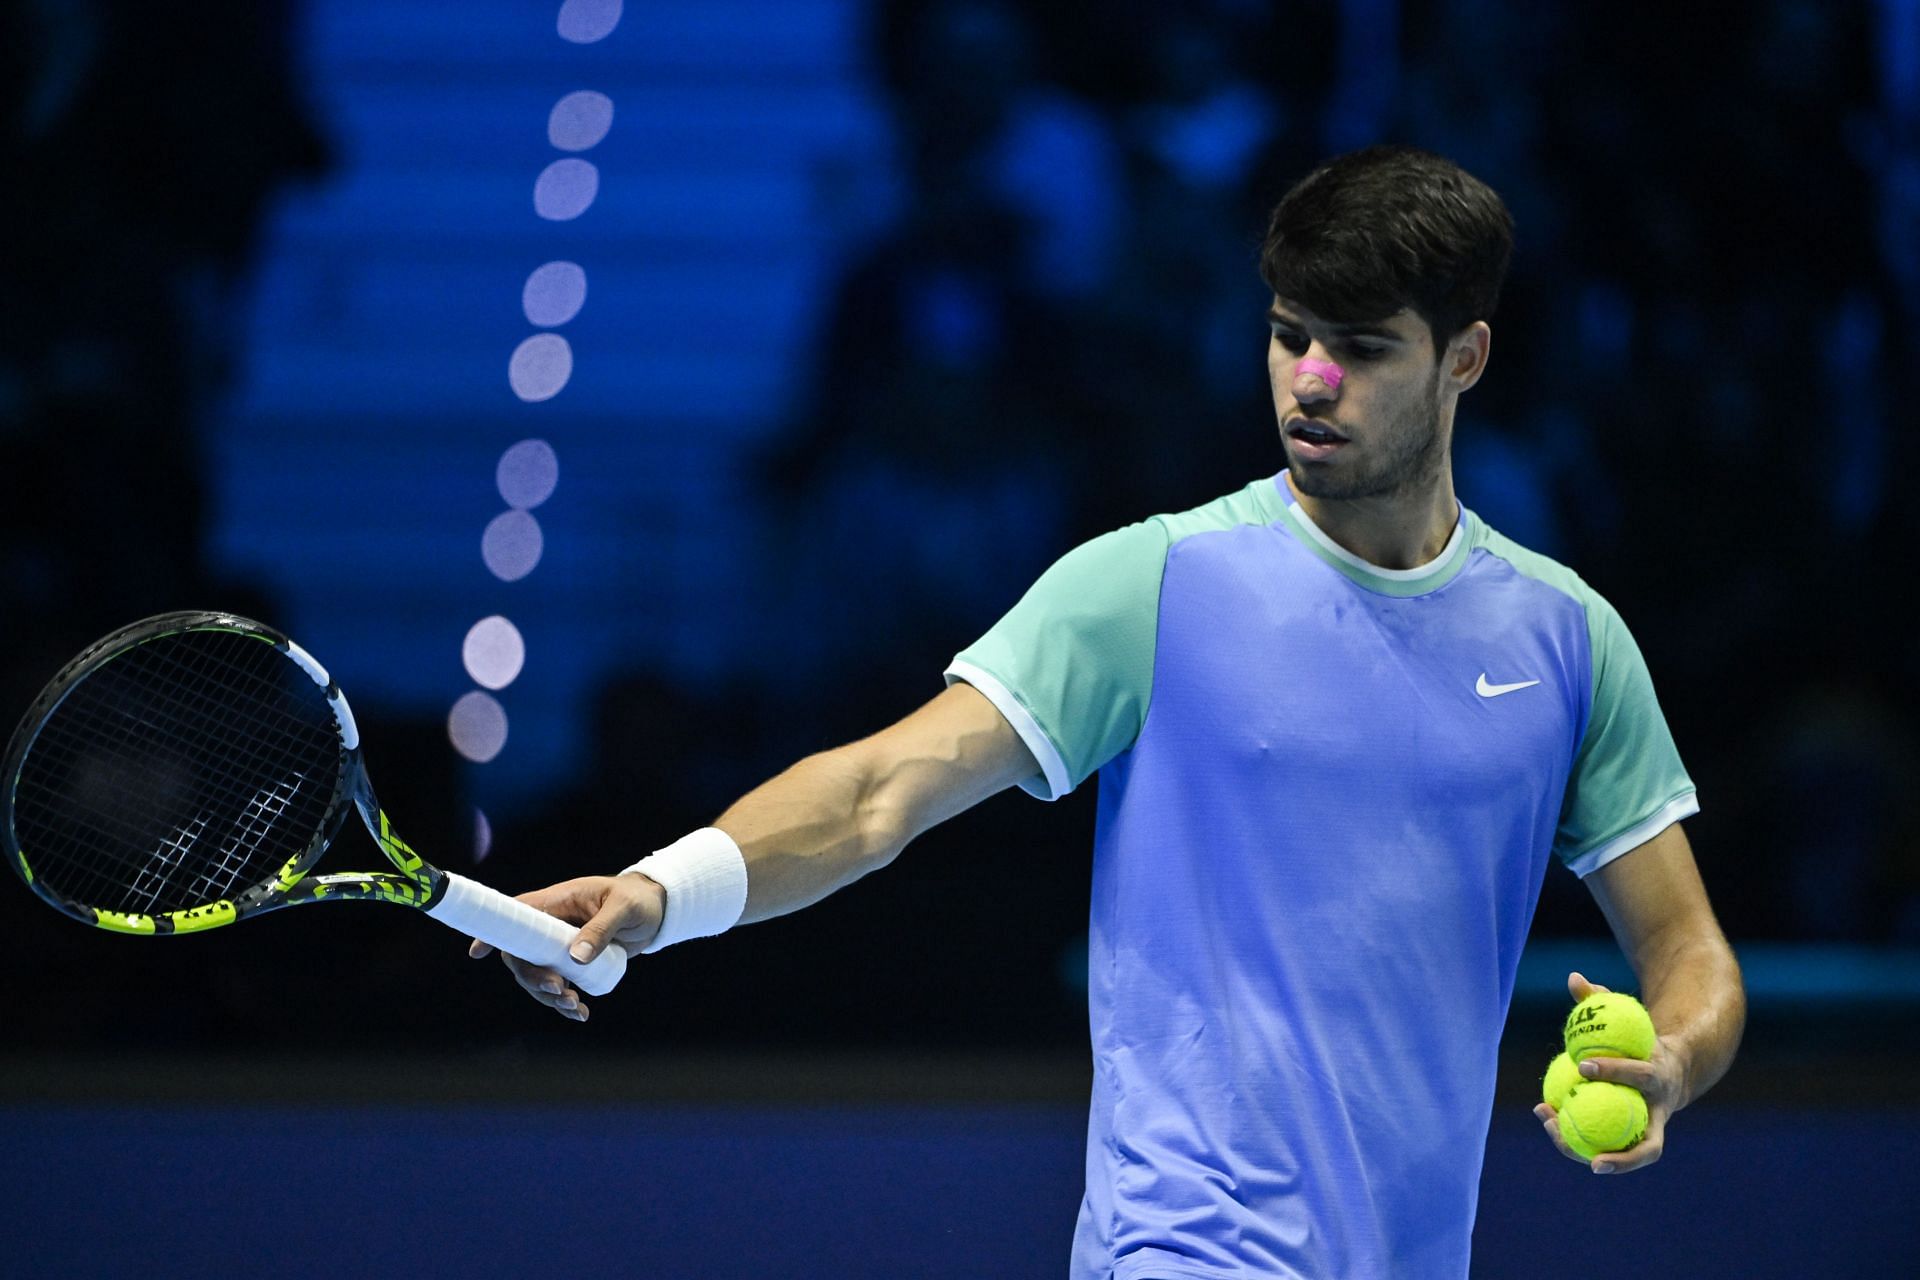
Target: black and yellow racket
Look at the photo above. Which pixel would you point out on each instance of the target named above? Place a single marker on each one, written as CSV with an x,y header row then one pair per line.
x,y
189,770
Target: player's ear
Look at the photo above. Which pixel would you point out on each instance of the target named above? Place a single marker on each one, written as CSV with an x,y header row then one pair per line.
x,y
1466,356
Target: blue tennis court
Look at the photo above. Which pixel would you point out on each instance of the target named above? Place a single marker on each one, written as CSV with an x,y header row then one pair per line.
x,y
837,1193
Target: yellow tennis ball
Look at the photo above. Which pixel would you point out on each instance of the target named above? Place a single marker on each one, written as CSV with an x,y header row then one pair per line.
x,y
1601,1116
1562,1074
1609,1024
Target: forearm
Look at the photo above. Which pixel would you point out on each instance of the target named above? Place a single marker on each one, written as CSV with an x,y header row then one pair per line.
x,y
833,817
1692,987
1654,900
811,830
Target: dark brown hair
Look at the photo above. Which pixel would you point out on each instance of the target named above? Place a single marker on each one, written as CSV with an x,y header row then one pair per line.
x,y
1390,227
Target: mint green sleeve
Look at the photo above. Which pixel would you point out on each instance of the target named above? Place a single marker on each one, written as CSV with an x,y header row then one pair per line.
x,y
1071,665
1627,784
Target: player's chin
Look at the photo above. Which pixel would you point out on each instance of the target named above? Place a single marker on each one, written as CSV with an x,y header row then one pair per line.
x,y
1320,478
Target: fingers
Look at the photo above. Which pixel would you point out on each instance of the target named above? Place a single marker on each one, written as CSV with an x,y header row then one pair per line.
x,y
546,986
1660,1079
1579,988
626,914
1642,1153
1652,1078
620,910
596,933
624,909
1638,1156
1644,1076
572,900
1648,1078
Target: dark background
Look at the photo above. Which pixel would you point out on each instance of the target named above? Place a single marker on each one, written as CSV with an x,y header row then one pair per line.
x,y
889,305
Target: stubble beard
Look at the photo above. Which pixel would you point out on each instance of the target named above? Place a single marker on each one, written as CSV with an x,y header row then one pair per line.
x,y
1410,456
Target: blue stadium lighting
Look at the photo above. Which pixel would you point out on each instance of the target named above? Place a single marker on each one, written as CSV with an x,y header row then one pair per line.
x,y
527,474
511,545
477,726
482,836
580,120
554,294
540,367
585,21
493,652
565,189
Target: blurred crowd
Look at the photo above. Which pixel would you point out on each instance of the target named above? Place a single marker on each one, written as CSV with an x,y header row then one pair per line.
x,y
1050,324
1702,361
128,235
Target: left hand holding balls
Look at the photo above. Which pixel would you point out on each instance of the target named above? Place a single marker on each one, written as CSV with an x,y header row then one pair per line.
x,y
1660,1079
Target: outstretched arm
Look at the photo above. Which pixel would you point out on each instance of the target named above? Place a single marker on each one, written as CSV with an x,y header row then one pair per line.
x,y
1689,980
815,828
836,816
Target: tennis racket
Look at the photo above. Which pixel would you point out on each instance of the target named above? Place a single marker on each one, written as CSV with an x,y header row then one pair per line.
x,y
189,770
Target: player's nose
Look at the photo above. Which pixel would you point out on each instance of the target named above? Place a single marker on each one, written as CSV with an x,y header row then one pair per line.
x,y
1316,380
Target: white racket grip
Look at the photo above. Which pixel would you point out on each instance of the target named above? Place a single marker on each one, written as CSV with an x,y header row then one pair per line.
x,y
520,930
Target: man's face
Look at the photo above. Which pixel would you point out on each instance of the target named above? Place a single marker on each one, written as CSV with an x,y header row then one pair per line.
x,y
1380,430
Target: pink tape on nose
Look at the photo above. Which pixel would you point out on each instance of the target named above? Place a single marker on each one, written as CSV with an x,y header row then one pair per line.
x,y
1326,370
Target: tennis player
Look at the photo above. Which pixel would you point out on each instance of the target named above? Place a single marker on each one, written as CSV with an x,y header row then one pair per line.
x,y
1341,726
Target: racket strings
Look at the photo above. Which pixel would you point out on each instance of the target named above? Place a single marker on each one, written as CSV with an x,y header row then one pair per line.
x,y
156,865
123,748
210,879
107,735
152,880
182,771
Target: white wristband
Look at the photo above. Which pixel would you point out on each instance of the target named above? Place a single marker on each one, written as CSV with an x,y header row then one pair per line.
x,y
705,879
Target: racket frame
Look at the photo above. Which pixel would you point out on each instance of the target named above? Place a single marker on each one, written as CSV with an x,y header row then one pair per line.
x,y
462,904
414,882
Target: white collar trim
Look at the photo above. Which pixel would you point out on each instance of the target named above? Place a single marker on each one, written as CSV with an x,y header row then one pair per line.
x,y
1347,557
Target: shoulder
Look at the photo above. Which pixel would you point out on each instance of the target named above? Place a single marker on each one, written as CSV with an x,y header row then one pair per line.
x,y
1544,570
1527,562
1258,503
1143,547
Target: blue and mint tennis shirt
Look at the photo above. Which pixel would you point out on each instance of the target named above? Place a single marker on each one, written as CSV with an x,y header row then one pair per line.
x,y
1328,794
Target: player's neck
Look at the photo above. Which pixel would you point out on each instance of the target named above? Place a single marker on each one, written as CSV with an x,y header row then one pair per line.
x,y
1396,531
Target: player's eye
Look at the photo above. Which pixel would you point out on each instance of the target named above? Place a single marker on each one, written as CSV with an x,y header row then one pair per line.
x,y
1367,351
1289,339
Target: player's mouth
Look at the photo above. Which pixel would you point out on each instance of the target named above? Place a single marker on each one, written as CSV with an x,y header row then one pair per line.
x,y
1314,440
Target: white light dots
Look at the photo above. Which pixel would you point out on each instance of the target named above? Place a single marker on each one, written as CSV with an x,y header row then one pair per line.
x,y
585,21
580,120
554,293
493,652
565,189
477,726
511,546
540,367
527,474
482,836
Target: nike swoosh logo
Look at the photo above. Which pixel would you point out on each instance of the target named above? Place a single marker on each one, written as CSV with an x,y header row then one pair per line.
x,y
1486,690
